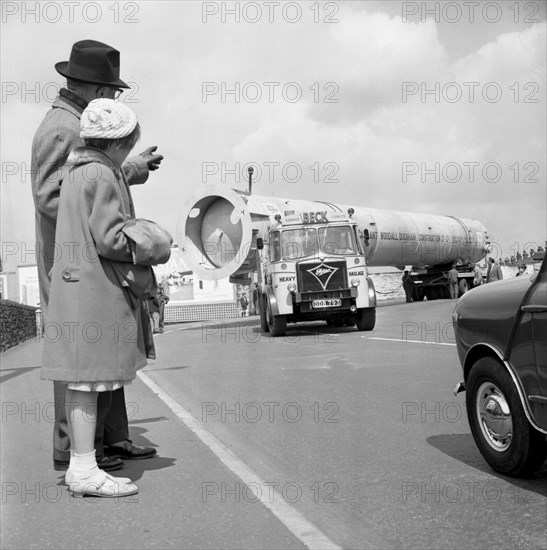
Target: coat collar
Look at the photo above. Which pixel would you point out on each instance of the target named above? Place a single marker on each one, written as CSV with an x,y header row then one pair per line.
x,y
85,155
69,101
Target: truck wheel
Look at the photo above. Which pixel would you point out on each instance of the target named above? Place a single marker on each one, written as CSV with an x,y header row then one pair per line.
x,y
464,287
263,319
366,319
277,324
498,423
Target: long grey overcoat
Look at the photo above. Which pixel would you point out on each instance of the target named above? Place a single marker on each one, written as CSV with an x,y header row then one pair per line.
x,y
57,136
93,331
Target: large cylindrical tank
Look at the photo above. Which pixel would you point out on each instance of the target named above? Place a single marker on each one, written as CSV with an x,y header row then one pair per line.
x,y
218,230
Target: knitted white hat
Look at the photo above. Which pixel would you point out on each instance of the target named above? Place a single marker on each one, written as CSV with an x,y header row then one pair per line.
x,y
107,119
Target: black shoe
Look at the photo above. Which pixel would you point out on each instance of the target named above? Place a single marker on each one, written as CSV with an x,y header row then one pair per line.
x,y
128,451
106,463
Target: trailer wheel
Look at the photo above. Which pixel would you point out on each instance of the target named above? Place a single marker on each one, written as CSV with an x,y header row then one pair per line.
x,y
464,287
432,293
366,318
277,324
418,293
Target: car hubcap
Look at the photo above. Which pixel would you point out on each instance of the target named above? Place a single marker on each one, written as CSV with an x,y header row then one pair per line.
x,y
494,417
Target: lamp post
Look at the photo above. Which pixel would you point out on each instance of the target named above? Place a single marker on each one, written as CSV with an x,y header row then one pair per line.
x,y
250,170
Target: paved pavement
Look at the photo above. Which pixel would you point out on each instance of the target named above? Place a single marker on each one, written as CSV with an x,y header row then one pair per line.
x,y
169,511
319,439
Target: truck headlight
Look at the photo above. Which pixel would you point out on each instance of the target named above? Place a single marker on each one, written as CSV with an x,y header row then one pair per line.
x,y
291,287
355,282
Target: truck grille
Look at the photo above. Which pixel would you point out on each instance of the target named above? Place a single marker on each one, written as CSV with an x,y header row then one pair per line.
x,y
322,276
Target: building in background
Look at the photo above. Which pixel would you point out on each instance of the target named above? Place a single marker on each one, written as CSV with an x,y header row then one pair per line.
x,y
192,298
29,291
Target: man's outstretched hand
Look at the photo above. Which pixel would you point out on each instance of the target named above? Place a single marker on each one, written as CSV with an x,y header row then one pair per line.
x,y
152,158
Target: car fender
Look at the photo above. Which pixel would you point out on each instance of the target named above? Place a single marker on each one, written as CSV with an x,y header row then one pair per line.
x,y
478,351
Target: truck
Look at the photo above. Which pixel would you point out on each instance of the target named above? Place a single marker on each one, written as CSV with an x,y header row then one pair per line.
x,y
311,268
220,233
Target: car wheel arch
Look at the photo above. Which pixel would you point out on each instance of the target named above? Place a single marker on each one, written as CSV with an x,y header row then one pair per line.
x,y
484,350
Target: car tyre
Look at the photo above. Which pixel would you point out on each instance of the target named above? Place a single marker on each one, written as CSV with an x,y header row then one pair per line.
x,y
501,431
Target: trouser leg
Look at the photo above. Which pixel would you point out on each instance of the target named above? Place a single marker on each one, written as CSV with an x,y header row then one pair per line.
x,y
61,438
162,312
104,406
408,293
116,427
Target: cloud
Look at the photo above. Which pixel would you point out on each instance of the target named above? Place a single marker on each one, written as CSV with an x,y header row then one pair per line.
x,y
349,151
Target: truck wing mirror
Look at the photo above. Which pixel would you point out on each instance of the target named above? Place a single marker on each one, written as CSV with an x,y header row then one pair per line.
x,y
259,243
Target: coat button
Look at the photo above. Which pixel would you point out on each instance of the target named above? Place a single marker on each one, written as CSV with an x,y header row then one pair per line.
x,y
66,276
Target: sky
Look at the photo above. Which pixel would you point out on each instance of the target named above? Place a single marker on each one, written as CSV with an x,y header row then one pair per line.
x,y
435,107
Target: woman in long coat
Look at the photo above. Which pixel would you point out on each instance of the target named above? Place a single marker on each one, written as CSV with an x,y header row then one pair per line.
x,y
95,336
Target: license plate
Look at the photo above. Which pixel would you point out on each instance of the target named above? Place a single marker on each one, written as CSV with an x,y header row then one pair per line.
x,y
326,303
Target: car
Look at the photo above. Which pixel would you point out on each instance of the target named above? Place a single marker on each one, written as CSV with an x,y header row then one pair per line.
x,y
501,338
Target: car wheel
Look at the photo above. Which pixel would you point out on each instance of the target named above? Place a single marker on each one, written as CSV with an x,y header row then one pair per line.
x,y
498,423
366,318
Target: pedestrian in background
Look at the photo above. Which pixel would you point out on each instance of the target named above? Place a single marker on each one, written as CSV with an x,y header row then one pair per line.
x,y
495,274
163,300
244,303
255,299
489,269
453,282
408,284
477,276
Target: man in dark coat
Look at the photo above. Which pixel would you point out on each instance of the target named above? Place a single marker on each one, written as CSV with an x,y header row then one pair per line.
x,y
407,286
92,72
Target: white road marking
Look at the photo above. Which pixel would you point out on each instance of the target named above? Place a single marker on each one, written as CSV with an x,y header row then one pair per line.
x,y
290,517
308,367
407,341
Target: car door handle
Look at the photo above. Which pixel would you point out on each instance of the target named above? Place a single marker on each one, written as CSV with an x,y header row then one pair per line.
x,y
533,308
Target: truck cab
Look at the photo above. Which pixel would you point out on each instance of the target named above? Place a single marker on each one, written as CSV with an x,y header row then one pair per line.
x,y
313,267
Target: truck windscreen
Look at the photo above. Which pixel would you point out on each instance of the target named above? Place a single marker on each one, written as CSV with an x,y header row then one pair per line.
x,y
302,242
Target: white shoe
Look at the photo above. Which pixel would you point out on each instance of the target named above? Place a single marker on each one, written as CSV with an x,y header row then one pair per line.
x,y
118,479
103,485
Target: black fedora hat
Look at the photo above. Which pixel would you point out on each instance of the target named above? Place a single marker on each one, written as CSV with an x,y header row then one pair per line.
x,y
92,61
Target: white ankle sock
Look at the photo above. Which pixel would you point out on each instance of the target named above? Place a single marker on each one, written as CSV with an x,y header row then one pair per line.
x,y
84,467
